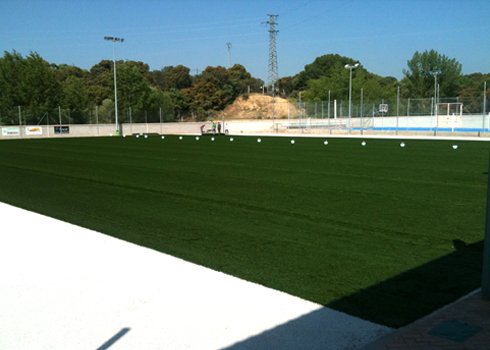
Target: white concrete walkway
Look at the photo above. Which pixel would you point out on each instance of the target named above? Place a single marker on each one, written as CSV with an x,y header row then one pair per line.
x,y
66,287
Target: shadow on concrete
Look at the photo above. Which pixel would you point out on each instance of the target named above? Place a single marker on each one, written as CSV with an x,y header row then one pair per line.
x,y
394,303
320,329
114,339
411,295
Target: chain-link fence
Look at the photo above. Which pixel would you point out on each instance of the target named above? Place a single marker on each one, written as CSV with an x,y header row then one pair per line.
x,y
448,114
386,107
453,114
27,116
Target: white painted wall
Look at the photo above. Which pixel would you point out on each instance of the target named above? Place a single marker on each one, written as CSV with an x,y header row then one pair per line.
x,y
308,125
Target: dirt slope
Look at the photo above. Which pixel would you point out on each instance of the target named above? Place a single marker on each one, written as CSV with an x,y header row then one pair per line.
x,y
257,106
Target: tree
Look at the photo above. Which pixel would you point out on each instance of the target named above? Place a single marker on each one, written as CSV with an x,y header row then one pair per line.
x,y
63,71
75,98
106,112
28,82
338,81
171,77
11,66
420,78
212,90
100,81
241,80
286,85
471,92
133,89
179,78
179,100
143,68
323,66
159,99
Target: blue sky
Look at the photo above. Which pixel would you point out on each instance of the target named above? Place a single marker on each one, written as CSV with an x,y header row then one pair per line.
x,y
382,34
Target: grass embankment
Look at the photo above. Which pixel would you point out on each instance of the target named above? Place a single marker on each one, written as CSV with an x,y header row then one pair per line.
x,y
381,232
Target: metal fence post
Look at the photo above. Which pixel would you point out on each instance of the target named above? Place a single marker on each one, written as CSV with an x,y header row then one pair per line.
x,y
97,118
397,108
328,113
59,114
361,124
484,110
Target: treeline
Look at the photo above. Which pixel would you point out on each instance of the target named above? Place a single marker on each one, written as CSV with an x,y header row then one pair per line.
x,y
327,74
40,86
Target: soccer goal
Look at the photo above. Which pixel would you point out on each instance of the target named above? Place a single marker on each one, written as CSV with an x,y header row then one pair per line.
x,y
448,109
450,115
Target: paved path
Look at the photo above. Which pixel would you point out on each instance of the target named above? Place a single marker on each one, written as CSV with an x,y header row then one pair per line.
x,y
66,287
471,310
63,286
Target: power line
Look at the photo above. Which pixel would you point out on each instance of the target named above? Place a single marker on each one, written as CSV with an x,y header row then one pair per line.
x,y
297,7
320,14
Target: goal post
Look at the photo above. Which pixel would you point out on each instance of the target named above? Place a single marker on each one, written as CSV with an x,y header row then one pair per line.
x,y
450,109
449,115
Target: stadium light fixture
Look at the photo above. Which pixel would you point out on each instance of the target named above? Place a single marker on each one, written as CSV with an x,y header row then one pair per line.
x,y
113,39
350,91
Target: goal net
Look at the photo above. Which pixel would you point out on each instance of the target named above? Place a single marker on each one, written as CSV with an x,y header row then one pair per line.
x,y
449,115
449,109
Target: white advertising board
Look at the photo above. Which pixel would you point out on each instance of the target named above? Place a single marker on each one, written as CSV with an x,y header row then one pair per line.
x,y
36,130
10,131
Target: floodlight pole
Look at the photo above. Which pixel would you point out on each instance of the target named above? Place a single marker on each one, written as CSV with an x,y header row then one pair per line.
x,y
350,92
229,54
436,96
110,38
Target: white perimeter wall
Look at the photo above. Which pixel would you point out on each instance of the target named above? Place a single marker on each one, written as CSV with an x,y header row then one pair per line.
x,y
339,125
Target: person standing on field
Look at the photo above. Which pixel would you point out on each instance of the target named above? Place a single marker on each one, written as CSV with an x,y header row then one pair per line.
x,y
219,128
214,128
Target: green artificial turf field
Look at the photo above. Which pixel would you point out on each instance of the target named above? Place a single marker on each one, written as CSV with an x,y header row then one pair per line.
x,y
381,232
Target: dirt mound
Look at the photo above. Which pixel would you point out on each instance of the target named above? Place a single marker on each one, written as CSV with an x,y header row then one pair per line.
x,y
257,106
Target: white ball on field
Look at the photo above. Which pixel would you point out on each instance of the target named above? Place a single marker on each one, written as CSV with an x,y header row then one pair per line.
x,y
180,137
259,140
137,136
212,138
402,144
231,139
124,135
111,135
325,143
197,138
455,146
363,143
146,136
163,137
292,142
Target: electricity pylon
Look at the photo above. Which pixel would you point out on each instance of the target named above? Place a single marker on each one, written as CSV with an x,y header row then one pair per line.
x,y
273,74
